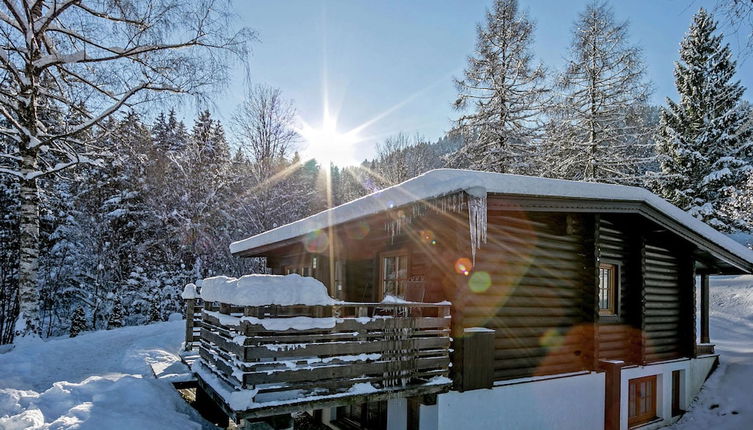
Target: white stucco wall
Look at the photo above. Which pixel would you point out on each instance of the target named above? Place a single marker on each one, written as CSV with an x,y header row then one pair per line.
x,y
572,402
397,414
699,370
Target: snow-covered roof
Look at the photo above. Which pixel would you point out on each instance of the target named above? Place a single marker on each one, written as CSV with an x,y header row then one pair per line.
x,y
440,182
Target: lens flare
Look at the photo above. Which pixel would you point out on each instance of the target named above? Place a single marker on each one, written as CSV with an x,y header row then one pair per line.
x,y
479,282
551,338
463,266
316,242
427,235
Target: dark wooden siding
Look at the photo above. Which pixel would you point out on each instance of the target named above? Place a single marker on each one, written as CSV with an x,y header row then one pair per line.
x,y
537,302
663,298
619,337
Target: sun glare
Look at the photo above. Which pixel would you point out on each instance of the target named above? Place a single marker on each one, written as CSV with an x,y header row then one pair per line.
x,y
328,145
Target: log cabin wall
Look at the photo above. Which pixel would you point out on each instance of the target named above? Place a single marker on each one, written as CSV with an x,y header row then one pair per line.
x,y
429,241
619,337
540,300
665,320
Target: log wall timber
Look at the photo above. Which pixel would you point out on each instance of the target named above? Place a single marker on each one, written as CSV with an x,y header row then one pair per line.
x,y
663,297
537,300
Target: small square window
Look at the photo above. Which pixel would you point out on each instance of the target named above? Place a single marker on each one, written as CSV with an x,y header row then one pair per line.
x,y
607,289
641,400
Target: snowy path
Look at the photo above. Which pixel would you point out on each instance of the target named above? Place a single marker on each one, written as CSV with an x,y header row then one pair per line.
x,y
99,380
726,401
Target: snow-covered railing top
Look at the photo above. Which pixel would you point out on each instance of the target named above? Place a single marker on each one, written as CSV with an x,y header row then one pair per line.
x,y
265,290
442,182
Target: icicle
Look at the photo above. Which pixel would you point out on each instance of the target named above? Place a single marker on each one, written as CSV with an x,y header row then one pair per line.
x,y
476,218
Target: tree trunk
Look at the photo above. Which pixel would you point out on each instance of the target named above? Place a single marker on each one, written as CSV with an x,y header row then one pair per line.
x,y
27,323
28,291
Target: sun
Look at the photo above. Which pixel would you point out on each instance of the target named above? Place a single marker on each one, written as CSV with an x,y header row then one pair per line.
x,y
326,144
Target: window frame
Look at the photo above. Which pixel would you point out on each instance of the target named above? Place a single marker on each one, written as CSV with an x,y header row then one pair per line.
x,y
387,254
613,291
634,401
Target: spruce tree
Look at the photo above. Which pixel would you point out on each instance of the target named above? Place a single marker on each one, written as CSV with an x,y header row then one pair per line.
x,y
597,130
154,310
704,139
116,314
501,93
78,322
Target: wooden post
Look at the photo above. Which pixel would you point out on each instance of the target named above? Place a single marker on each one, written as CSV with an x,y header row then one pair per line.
x,y
705,308
190,307
478,358
613,379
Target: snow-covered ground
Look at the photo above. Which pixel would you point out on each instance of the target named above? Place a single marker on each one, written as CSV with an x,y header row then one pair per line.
x,y
98,380
726,400
102,380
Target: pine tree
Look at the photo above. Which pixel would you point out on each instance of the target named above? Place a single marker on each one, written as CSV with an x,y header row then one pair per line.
x,y
502,91
116,314
78,322
596,131
704,139
155,314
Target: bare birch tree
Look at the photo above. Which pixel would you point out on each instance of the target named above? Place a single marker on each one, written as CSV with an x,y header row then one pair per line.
x,y
81,59
264,124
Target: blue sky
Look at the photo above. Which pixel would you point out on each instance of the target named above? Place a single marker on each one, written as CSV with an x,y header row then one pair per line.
x,y
391,63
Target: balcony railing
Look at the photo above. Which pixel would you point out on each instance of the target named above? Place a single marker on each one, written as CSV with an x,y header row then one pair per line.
x,y
259,361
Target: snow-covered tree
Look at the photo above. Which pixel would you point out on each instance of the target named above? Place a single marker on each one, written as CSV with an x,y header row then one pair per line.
x,y
704,139
116,314
8,256
596,131
264,125
78,322
155,313
501,93
401,157
111,54
169,133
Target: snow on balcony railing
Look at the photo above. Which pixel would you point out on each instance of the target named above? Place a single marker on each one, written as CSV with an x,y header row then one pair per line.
x,y
266,348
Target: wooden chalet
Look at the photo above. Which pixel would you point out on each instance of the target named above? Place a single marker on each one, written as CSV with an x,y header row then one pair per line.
x,y
568,305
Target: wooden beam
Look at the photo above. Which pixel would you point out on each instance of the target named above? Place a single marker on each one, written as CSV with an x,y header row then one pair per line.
x,y
613,377
705,308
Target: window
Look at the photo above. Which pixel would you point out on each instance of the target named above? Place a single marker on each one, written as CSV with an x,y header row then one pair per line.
x,y
607,289
641,400
394,273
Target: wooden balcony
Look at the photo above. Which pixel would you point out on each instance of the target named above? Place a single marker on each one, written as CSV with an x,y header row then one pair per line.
x,y
263,361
